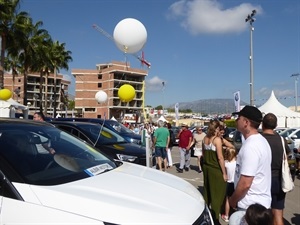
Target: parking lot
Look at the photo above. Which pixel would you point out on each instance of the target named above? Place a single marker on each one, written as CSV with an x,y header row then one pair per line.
x,y
292,204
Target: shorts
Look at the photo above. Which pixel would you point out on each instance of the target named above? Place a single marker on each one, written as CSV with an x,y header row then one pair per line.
x,y
160,152
229,189
197,151
278,196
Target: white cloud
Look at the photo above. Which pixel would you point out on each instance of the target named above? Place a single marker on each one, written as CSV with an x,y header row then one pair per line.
x,y
154,84
209,16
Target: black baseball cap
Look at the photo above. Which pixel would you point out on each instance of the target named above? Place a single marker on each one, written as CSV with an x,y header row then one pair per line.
x,y
251,113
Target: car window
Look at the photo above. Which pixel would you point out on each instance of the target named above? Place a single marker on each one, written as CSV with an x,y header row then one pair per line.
x,y
120,128
101,134
287,132
72,160
297,134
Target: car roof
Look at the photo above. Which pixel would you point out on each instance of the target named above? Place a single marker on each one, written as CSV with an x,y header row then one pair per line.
x,y
23,121
73,123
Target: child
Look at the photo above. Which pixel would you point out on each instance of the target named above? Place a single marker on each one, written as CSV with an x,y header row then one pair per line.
x,y
230,164
256,214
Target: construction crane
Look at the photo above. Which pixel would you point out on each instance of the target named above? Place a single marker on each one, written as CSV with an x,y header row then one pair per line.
x,y
140,58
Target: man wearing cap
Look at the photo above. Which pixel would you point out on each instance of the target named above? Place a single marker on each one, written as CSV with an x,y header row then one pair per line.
x,y
185,140
253,166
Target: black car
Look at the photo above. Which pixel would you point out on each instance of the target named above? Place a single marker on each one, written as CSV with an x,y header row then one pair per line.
x,y
104,139
113,125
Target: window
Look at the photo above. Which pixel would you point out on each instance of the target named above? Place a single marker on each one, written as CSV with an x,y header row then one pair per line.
x,y
99,85
100,76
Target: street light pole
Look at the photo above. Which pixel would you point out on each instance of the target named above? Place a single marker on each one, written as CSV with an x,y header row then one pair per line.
x,y
250,18
163,88
296,75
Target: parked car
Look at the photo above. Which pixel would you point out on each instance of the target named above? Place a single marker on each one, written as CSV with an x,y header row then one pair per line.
x,y
106,140
125,132
79,185
237,143
292,135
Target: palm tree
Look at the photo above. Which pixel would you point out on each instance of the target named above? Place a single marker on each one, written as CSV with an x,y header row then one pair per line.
x,y
8,17
12,64
60,59
26,43
50,58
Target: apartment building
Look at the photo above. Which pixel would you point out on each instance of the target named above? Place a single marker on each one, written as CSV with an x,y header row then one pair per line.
x,y
34,100
108,77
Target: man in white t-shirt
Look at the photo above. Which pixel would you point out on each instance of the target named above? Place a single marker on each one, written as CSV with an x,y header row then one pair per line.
x,y
253,167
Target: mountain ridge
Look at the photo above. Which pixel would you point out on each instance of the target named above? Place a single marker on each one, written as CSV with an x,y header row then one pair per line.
x,y
209,106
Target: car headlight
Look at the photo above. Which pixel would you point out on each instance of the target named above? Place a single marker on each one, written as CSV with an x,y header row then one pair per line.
x,y
205,218
126,158
135,141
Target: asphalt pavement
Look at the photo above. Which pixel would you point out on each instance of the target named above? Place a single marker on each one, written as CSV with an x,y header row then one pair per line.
x,y
292,202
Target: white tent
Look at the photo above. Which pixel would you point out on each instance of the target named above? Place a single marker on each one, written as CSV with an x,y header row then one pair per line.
x,y
285,116
162,118
9,107
113,118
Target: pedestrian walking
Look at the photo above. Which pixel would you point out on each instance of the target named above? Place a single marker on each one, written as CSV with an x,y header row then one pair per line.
x,y
214,172
198,137
269,123
185,140
161,140
253,166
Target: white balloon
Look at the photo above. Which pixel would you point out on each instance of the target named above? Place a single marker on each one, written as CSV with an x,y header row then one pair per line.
x,y
101,96
130,35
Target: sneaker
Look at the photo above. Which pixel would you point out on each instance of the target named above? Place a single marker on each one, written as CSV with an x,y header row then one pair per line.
x,y
186,168
179,170
225,218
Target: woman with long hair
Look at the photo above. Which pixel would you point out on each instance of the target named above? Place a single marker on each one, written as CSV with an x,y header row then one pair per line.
x,y
214,172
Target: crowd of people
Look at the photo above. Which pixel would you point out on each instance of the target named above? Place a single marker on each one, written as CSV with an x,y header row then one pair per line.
x,y
241,188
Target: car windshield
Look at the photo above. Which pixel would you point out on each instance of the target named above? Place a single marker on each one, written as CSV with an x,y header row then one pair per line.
x,y
100,134
45,155
287,132
120,128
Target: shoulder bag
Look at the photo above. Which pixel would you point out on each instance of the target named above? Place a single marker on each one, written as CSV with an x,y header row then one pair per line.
x,y
287,183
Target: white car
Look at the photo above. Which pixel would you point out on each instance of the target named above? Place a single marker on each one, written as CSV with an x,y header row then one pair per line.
x,y
292,135
78,185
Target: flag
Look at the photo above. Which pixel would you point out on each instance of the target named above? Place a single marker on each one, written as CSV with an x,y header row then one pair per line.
x,y
237,98
177,111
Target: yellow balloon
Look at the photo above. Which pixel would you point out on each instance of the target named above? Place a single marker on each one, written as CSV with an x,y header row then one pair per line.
x,y
5,94
126,93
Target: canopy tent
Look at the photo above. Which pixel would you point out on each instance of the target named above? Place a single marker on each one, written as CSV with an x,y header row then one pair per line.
x,y
162,118
8,108
285,116
113,118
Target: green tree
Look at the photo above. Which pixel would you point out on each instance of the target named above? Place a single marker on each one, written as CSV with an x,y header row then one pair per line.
x,y
27,42
9,18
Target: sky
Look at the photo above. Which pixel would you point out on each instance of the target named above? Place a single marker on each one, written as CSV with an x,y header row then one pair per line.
x,y
199,49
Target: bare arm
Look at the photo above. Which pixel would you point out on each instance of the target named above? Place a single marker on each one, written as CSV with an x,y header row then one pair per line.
x,y
227,143
241,190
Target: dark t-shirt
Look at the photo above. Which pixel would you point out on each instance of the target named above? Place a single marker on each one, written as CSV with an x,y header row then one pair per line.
x,y
275,143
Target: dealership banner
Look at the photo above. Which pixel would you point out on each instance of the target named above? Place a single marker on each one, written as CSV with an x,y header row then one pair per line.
x,y
237,98
177,111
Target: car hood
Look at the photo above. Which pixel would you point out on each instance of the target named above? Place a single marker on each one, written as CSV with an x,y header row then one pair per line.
x,y
123,148
131,135
129,194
